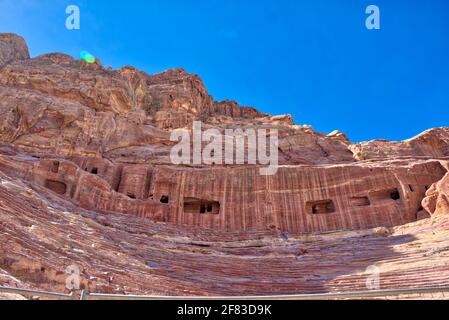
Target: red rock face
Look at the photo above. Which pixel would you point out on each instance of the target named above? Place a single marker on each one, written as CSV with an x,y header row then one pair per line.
x,y
437,197
12,48
89,138
103,141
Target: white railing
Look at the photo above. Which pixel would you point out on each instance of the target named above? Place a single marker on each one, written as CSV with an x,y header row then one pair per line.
x,y
85,295
39,293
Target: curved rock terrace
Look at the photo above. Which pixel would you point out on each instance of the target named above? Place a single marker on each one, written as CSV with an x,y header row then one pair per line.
x,y
86,180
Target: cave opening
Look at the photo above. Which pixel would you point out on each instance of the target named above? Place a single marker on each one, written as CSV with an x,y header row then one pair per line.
x,y
55,167
385,195
117,179
56,186
195,206
165,199
320,207
360,201
395,195
94,171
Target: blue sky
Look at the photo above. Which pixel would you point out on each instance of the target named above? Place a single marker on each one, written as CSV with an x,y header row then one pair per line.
x,y
312,59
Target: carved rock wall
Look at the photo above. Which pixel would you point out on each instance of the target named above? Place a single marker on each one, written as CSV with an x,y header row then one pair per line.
x,y
42,234
100,138
296,199
86,179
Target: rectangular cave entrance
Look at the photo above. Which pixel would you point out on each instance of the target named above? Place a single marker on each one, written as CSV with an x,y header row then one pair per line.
x,y
55,167
320,207
56,186
384,195
194,205
359,201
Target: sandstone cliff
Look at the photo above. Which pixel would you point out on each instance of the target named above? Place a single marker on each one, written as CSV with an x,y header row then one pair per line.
x,y
101,139
84,163
12,48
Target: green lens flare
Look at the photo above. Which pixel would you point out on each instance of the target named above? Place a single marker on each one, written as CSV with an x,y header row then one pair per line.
x,y
90,59
86,56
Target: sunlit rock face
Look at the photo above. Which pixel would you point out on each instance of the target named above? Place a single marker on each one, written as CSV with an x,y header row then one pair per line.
x,y
437,197
109,133
85,166
12,48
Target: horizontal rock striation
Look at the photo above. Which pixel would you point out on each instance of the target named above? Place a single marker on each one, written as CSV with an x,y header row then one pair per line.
x,y
42,234
86,179
304,199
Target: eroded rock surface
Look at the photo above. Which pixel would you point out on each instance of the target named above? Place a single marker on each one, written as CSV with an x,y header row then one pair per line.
x,y
12,48
437,197
86,179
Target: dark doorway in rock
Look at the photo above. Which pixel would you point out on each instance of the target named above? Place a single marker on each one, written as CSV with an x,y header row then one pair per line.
x,y
195,206
165,199
55,167
395,195
94,171
56,186
359,201
320,207
117,179
385,195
